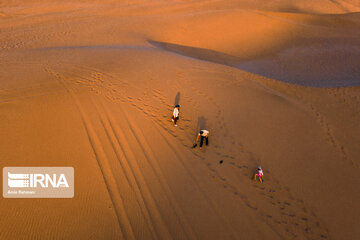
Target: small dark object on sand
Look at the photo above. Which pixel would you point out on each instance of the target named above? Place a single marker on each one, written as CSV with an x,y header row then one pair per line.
x,y
221,161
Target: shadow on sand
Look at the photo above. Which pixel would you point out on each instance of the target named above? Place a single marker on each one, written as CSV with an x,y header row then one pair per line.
x,y
301,65
177,99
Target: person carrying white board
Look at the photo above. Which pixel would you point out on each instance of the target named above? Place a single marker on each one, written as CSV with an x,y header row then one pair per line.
x,y
175,116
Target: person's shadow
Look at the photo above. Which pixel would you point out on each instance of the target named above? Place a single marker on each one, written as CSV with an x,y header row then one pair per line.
x,y
177,99
201,124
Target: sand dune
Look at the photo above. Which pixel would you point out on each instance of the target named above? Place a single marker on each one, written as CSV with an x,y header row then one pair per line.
x,y
92,85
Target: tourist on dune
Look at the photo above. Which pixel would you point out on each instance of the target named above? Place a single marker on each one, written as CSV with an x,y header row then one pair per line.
x,y
259,174
203,134
175,116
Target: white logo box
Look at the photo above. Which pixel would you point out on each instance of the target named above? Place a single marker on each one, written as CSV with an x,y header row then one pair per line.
x,y
38,182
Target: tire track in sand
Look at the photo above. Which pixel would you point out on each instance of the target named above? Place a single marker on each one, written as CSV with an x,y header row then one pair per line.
x,y
151,159
129,168
134,172
126,169
108,177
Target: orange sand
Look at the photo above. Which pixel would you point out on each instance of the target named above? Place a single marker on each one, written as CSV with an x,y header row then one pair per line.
x,y
92,85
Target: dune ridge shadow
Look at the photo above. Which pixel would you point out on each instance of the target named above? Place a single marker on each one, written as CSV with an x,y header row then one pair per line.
x,y
197,53
301,68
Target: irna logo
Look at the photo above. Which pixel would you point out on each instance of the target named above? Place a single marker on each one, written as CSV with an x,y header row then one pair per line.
x,y
16,180
38,182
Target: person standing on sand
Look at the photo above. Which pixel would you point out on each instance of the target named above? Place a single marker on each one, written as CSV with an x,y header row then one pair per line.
x,y
175,116
203,134
259,174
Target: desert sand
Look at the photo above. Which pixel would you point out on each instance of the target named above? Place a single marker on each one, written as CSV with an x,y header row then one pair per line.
x,y
92,85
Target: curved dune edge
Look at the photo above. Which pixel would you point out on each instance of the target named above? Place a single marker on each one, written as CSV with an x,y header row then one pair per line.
x,y
299,65
82,85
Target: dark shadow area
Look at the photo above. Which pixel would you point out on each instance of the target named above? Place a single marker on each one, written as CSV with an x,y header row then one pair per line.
x,y
201,124
177,99
197,53
334,65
